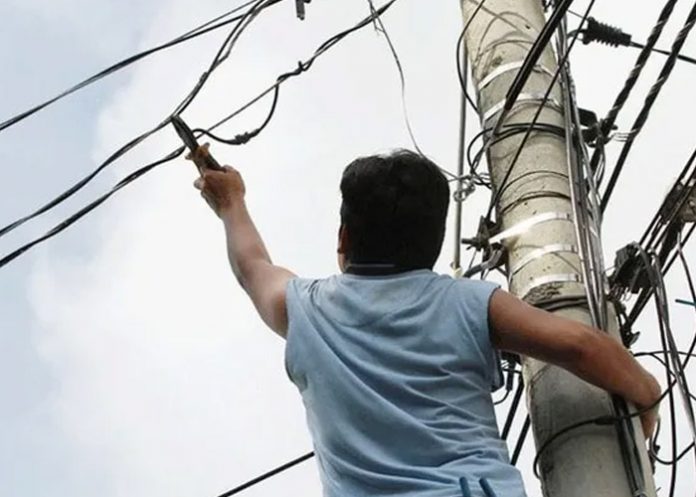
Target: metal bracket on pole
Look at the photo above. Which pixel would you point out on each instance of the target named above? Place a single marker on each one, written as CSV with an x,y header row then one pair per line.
x,y
555,248
506,68
529,223
551,103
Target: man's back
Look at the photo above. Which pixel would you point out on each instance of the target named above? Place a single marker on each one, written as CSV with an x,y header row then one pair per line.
x,y
396,373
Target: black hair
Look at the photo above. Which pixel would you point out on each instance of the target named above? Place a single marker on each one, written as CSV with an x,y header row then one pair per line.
x,y
394,208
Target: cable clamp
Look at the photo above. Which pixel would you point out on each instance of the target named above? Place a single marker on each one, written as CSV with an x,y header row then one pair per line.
x,y
465,189
494,260
552,103
527,224
556,248
547,280
506,68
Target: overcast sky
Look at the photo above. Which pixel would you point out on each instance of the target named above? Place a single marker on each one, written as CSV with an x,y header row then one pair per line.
x,y
131,364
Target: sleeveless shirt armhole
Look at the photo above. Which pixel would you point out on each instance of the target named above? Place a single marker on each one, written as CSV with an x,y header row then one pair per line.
x,y
291,297
498,380
477,301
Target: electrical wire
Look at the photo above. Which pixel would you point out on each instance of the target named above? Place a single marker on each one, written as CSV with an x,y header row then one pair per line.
x,y
654,92
72,219
513,409
520,440
383,30
608,122
683,58
495,199
665,221
605,34
222,54
205,28
267,475
302,67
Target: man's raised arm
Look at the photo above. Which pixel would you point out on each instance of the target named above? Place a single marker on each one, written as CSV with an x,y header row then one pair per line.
x,y
264,282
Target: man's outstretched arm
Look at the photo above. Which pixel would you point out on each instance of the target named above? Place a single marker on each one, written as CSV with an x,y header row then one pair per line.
x,y
264,282
586,352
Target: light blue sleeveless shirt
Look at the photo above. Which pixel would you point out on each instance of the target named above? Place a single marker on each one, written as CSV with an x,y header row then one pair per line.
x,y
396,374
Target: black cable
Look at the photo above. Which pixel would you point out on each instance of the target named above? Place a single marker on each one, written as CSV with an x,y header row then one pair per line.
x,y
503,398
382,29
608,420
267,475
612,36
675,461
72,219
656,355
648,104
205,28
222,53
513,409
599,421
656,280
507,131
244,138
663,222
608,122
535,53
495,199
520,440
302,67
683,58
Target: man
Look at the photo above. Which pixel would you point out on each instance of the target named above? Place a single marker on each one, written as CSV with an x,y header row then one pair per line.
x,y
396,364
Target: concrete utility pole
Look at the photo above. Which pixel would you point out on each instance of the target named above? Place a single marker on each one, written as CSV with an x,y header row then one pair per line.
x,y
543,262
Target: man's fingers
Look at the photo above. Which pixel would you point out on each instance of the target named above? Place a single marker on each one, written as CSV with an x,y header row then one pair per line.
x,y
199,184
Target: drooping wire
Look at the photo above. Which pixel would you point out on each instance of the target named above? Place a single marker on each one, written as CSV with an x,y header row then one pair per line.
x,y
302,67
205,28
222,54
383,30
73,218
245,137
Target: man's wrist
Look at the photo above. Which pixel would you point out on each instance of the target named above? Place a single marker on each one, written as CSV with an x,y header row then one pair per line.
x,y
231,207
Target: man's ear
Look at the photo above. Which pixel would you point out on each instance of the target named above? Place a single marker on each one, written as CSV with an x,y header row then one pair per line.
x,y
343,242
